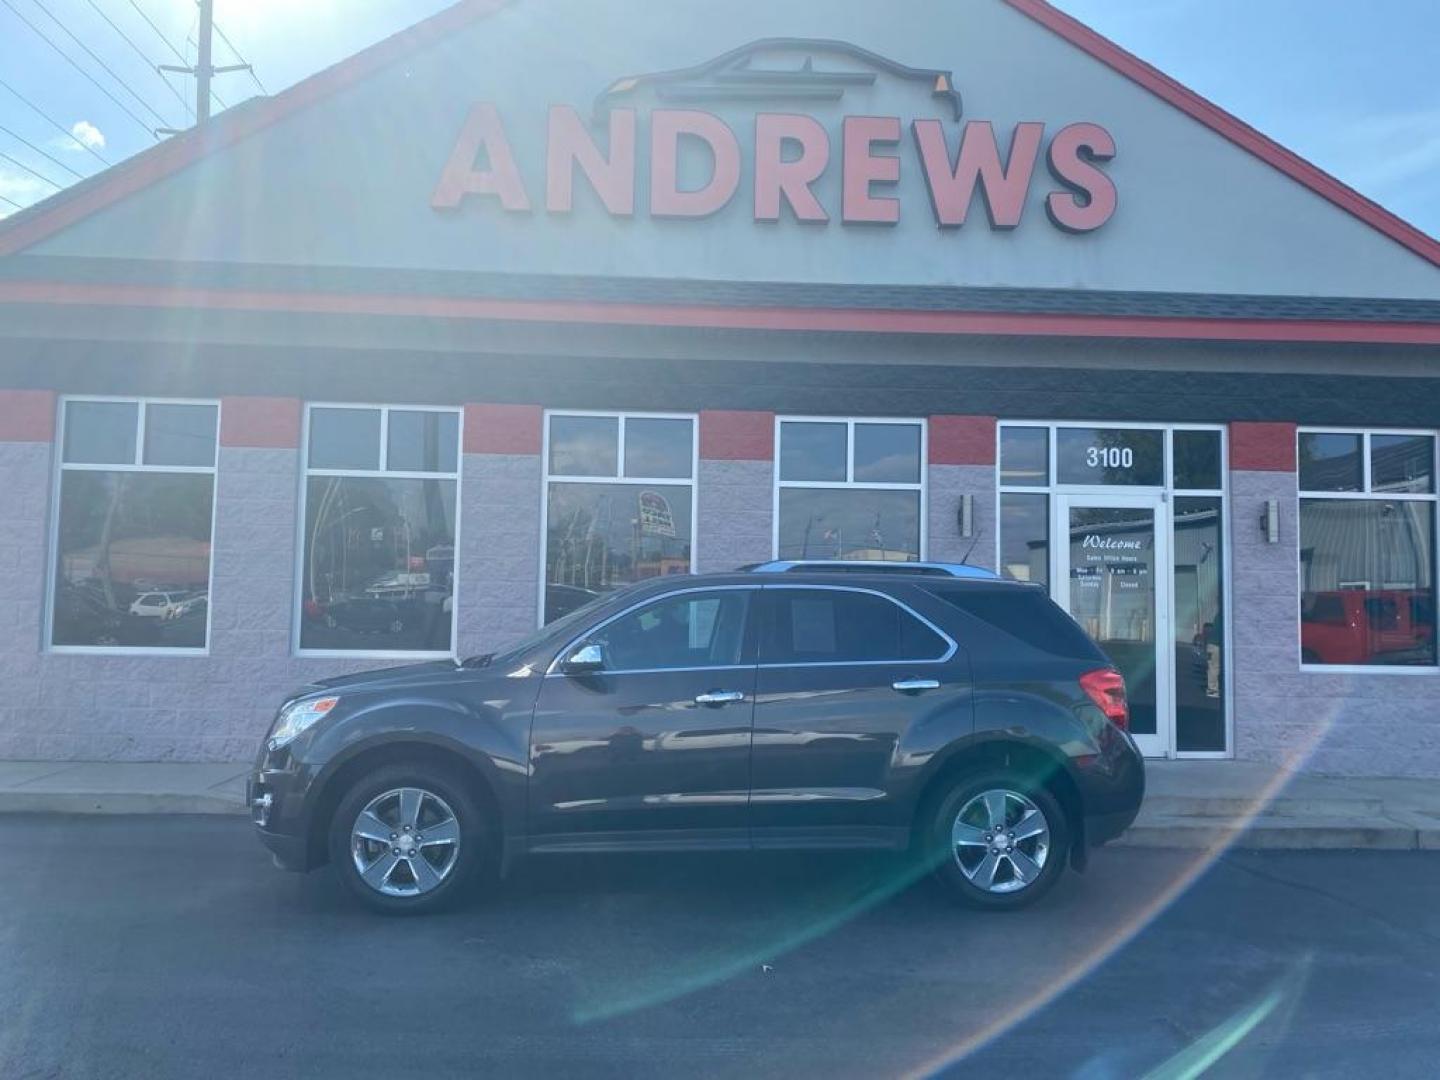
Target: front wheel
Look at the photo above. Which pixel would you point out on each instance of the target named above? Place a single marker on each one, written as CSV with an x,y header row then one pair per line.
x,y
407,839
998,841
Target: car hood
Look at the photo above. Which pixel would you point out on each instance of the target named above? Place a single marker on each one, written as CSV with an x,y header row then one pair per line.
x,y
390,676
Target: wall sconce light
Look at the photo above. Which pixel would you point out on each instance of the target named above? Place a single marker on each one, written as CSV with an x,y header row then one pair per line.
x,y
1270,521
965,516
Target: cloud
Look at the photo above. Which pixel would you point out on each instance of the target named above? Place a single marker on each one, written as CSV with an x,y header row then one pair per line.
x,y
88,135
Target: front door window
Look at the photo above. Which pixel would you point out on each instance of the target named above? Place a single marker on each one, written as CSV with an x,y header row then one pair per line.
x,y
1114,594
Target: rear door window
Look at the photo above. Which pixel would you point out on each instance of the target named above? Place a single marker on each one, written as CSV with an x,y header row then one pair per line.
x,y
1026,614
837,626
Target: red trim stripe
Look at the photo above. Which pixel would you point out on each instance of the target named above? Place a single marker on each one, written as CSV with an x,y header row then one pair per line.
x,y
1262,447
1233,128
962,440
27,416
262,423
838,320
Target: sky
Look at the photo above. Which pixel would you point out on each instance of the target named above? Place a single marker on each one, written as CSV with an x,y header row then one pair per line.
x,y
1348,85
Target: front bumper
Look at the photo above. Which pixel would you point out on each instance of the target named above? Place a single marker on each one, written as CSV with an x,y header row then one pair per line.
x,y
276,799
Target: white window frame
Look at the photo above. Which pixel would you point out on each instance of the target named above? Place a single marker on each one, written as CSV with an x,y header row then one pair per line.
x,y
619,479
1367,495
136,466
1168,493
850,483
306,472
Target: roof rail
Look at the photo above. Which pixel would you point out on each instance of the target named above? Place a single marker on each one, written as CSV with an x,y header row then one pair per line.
x,y
870,566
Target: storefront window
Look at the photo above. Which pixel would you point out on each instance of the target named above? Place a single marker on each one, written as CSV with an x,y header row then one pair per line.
x,y
136,502
850,489
1025,537
379,547
1367,552
1199,554
1024,456
619,503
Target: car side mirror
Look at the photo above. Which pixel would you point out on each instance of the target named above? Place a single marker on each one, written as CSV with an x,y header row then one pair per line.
x,y
586,660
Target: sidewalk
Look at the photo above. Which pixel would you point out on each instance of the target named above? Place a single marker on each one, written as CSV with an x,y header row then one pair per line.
x,y
121,787
1189,804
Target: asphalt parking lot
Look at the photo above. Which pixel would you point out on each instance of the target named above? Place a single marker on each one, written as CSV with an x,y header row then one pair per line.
x,y
163,947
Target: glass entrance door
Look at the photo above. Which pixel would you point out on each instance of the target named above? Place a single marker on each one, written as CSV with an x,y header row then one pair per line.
x,y
1113,566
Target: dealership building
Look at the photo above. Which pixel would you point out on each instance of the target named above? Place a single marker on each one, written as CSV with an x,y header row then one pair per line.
x,y
543,297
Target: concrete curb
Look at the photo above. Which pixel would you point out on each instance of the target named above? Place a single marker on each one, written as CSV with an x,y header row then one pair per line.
x,y
1272,833
115,803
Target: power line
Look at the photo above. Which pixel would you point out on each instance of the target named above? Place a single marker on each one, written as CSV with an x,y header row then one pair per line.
x,y
170,45
42,153
141,53
21,165
71,61
236,53
104,66
56,125
12,202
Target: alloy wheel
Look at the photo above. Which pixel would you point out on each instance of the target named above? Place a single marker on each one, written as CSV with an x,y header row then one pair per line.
x,y
405,842
1000,840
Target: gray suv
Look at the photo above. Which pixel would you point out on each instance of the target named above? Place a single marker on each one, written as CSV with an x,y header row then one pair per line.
x,y
904,707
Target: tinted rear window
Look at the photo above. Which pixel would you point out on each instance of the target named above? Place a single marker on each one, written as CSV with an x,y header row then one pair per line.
x,y
828,626
1026,614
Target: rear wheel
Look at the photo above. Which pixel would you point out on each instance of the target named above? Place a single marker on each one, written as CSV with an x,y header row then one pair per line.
x,y
407,839
998,841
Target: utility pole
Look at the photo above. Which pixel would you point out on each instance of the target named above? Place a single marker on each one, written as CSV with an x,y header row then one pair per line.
x,y
204,71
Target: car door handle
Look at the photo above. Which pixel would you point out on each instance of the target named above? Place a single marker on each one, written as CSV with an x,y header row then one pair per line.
x,y
915,686
719,697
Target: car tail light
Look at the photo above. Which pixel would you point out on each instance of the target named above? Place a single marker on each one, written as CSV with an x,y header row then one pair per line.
x,y
1106,687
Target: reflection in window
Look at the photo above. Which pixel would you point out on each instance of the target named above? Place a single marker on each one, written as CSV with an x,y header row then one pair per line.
x,y
422,441
378,571
1025,537
101,432
694,630
1331,461
584,445
1197,460
1367,560
850,489
133,542
827,523
1402,463
1199,624
1025,456
887,453
1367,584
813,451
621,524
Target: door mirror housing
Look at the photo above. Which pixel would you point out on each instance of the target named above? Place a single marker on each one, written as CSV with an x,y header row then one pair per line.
x,y
584,660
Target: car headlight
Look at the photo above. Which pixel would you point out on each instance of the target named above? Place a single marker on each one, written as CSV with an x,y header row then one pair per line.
x,y
295,718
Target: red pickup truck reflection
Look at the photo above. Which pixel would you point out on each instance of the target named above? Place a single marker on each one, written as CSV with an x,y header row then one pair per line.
x,y
1358,626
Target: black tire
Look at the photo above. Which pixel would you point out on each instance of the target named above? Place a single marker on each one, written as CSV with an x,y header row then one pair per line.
x,y
948,868
475,836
